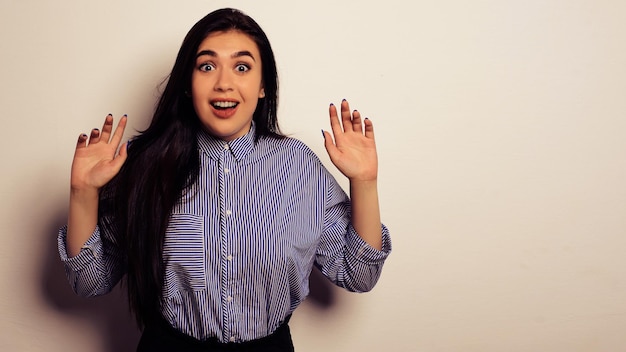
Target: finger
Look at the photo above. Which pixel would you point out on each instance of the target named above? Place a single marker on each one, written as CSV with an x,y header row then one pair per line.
x,y
94,137
356,122
334,120
119,160
346,118
369,128
119,131
82,141
331,148
107,128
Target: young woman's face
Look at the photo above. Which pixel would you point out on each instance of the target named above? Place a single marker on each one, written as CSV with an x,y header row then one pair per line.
x,y
226,83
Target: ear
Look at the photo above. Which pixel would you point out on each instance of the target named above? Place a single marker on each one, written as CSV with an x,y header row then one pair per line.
x,y
262,93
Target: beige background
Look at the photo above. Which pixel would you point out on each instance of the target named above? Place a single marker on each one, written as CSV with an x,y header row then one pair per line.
x,y
501,132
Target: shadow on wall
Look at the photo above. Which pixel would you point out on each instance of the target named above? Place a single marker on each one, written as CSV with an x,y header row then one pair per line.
x,y
110,313
322,293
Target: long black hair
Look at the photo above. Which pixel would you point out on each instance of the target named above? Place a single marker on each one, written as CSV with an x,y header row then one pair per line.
x,y
163,161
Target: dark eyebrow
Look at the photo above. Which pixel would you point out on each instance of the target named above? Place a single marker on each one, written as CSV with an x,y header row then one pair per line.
x,y
243,53
235,55
206,52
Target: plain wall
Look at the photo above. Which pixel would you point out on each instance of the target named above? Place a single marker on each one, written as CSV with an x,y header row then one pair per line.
x,y
501,132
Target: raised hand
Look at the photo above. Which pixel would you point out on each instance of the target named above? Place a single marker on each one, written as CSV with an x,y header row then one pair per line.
x,y
353,150
96,160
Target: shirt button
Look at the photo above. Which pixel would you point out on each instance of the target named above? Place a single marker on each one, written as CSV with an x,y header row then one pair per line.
x,y
230,257
229,299
232,339
226,146
228,212
226,170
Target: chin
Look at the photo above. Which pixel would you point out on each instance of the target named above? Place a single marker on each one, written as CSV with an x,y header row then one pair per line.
x,y
224,134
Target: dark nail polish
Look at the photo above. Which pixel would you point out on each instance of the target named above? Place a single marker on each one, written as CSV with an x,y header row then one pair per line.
x,y
125,115
110,115
323,134
331,104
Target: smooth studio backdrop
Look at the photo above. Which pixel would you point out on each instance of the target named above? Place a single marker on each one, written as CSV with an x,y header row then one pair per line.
x,y
501,130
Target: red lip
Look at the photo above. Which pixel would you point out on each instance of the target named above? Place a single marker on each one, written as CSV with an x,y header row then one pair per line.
x,y
224,113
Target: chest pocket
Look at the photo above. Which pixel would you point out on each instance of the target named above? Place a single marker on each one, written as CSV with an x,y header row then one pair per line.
x,y
183,254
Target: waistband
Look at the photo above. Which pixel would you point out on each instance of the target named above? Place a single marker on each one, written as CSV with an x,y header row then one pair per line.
x,y
160,336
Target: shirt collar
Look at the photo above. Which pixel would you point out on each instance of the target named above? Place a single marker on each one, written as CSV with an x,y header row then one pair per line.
x,y
214,147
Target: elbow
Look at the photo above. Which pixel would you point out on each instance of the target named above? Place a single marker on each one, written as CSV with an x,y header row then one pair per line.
x,y
362,283
360,287
88,290
86,286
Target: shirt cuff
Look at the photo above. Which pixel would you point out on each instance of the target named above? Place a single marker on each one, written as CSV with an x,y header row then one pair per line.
x,y
363,252
88,253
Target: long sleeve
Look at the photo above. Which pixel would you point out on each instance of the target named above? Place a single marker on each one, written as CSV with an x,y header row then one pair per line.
x,y
96,269
342,255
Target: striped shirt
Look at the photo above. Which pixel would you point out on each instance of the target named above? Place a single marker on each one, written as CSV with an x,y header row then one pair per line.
x,y
242,241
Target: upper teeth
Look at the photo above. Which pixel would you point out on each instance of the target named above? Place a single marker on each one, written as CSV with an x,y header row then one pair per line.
x,y
224,104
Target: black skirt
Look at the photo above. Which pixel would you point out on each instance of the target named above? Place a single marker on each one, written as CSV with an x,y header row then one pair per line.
x,y
161,337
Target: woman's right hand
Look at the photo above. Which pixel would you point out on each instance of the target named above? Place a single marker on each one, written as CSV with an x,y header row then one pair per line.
x,y
96,160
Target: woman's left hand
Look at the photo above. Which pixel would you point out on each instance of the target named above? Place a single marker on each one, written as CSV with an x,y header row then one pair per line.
x,y
353,150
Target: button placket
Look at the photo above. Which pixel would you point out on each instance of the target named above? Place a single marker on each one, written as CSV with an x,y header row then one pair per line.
x,y
227,168
227,275
227,207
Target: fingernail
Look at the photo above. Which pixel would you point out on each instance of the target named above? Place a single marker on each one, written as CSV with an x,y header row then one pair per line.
x,y
125,115
83,135
110,115
331,104
367,118
323,134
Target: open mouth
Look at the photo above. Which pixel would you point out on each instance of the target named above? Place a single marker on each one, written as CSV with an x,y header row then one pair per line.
x,y
224,105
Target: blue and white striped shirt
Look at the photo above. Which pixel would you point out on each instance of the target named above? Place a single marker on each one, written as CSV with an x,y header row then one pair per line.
x,y
242,241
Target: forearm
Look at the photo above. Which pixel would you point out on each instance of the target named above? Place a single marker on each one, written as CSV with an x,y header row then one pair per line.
x,y
366,212
82,218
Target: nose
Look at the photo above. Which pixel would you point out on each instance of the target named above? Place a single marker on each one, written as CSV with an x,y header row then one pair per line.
x,y
223,81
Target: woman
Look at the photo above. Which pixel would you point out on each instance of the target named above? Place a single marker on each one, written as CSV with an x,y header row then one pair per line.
x,y
216,218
